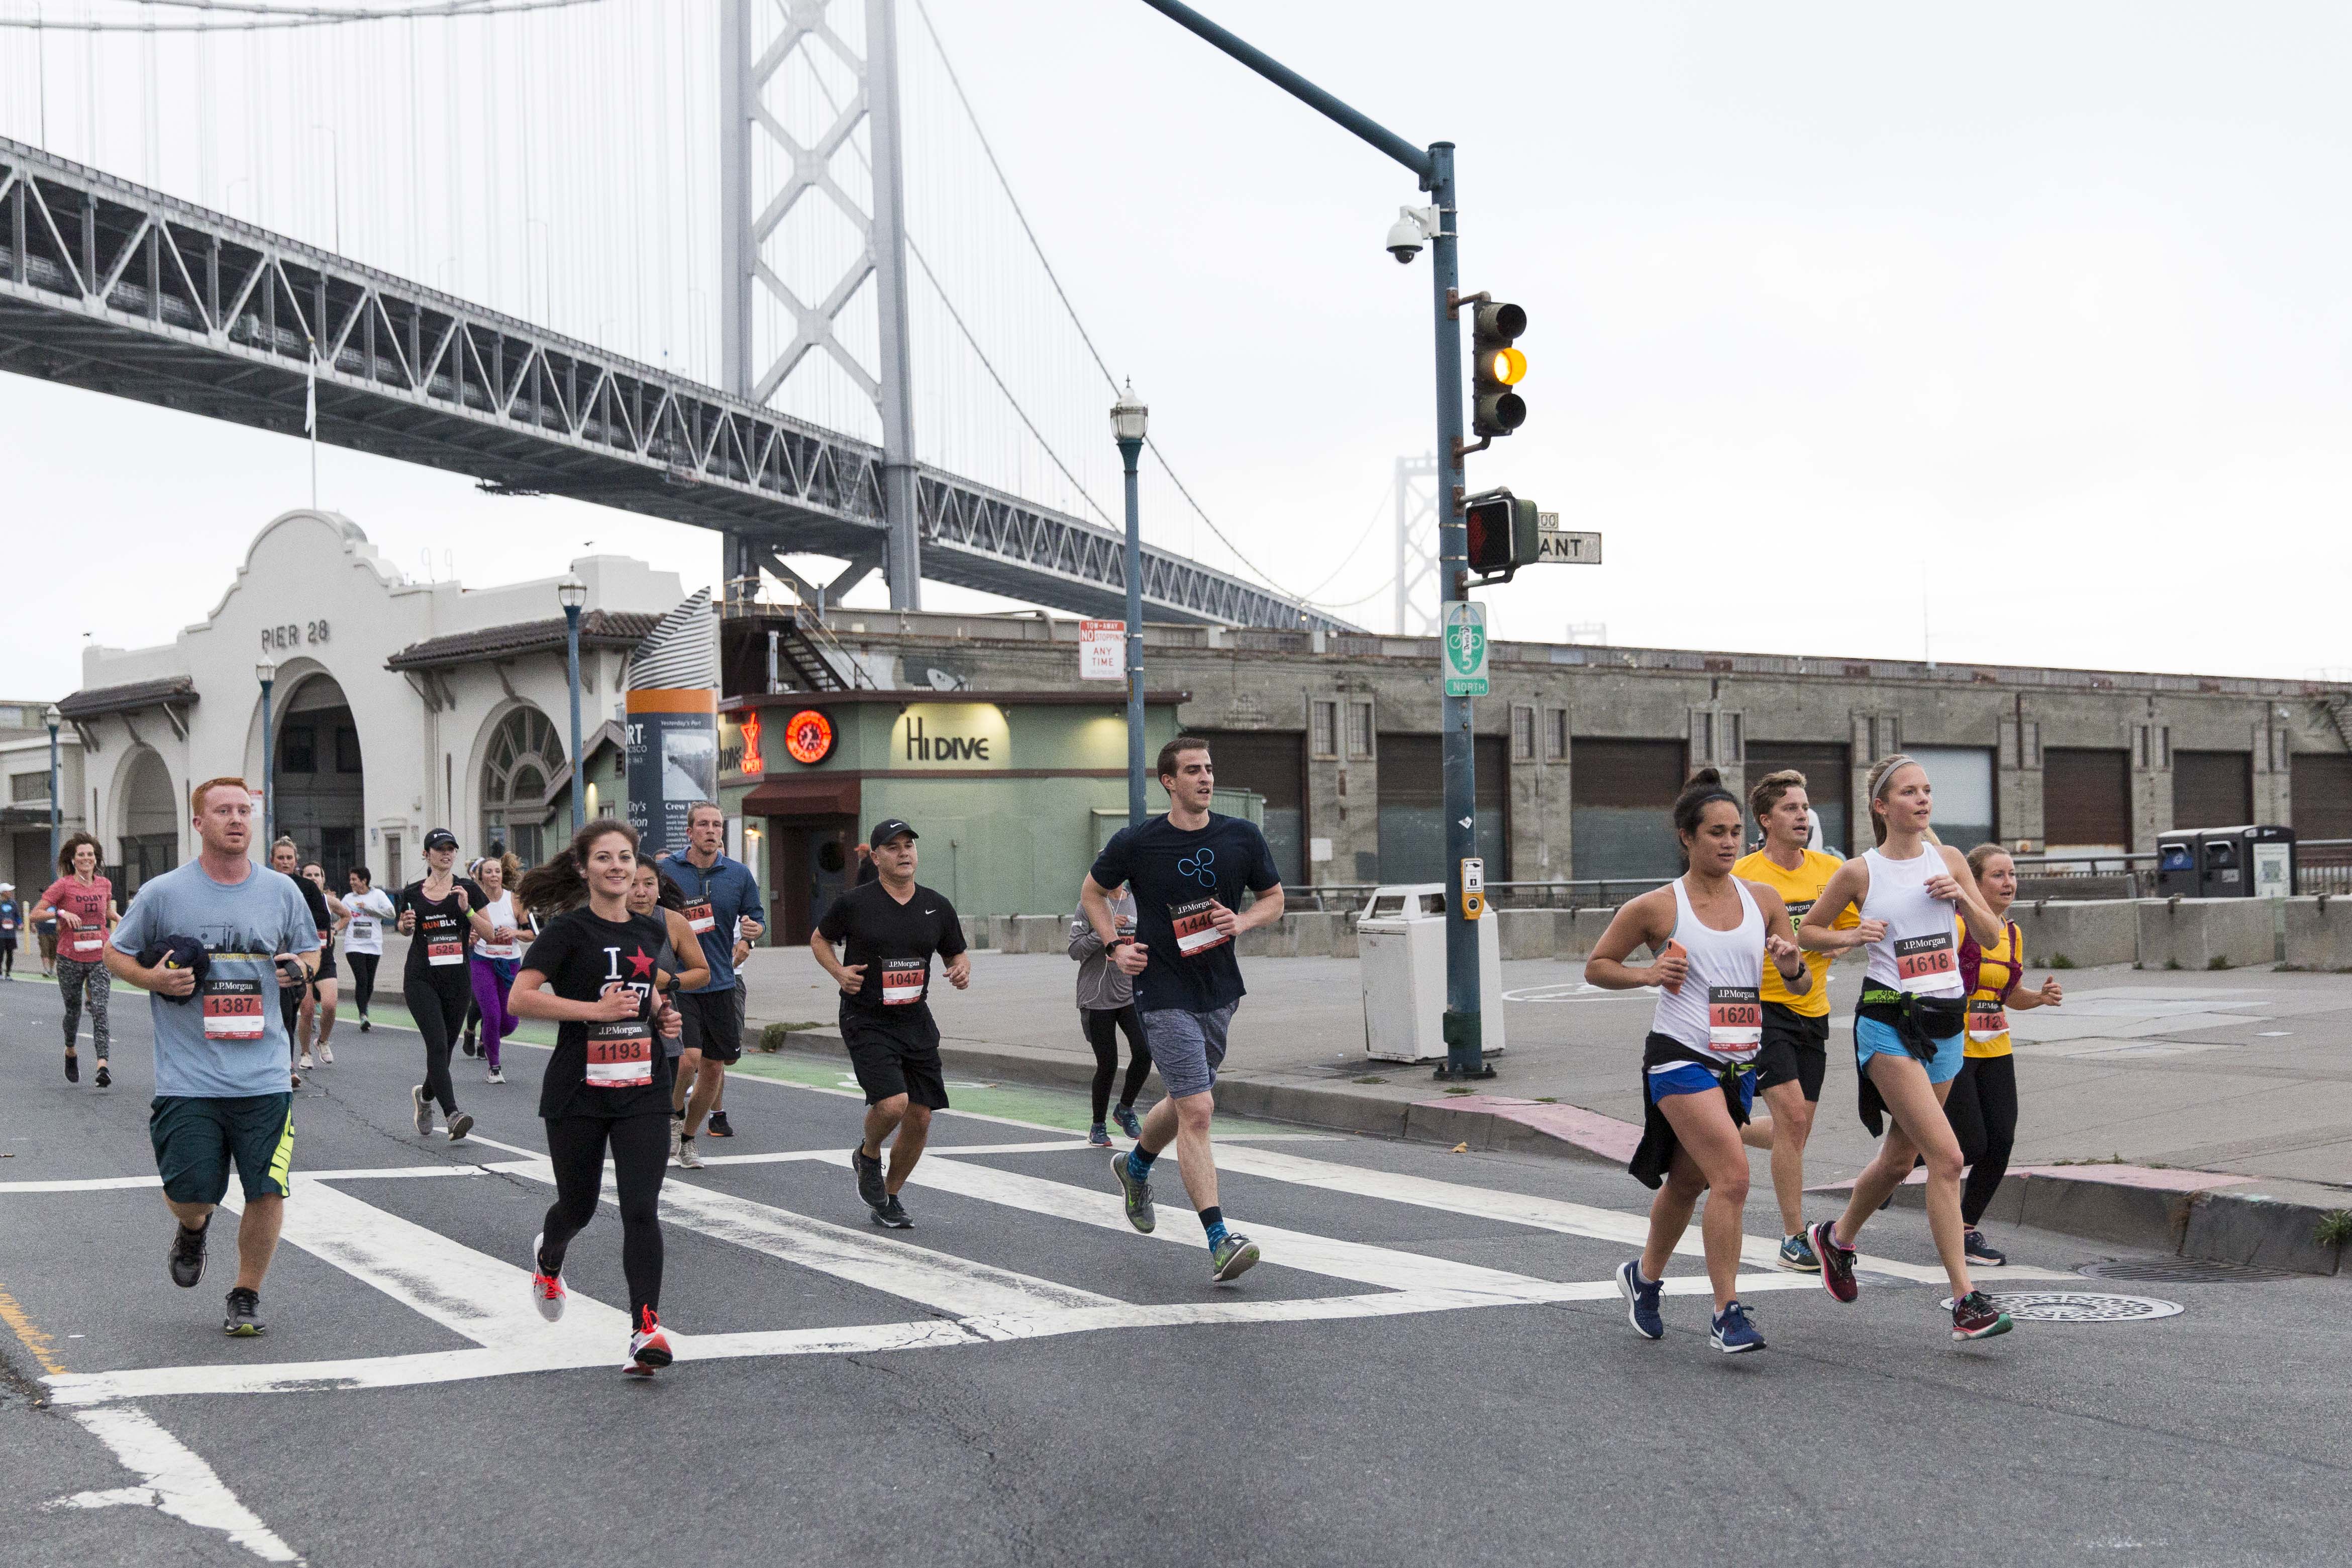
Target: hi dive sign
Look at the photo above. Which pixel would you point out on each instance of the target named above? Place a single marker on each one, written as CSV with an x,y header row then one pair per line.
x,y
673,724
951,736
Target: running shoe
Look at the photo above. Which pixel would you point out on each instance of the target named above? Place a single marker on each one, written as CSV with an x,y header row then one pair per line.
x,y
687,1160
1641,1299
1098,1136
188,1255
423,1110
470,1047
104,1079
295,1079
306,1063
243,1319
1837,1262
365,1025
1234,1257
676,1131
719,1126
869,1179
326,1054
1732,1333
73,1068
649,1347
1797,1256
1974,1316
1980,1252
1128,1122
495,1075
547,1291
1138,1194
460,1123
892,1214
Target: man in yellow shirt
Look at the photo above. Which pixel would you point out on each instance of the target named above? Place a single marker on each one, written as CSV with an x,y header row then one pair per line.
x,y
1795,1053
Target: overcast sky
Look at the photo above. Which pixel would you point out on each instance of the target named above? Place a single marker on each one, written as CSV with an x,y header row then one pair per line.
x,y
2022,332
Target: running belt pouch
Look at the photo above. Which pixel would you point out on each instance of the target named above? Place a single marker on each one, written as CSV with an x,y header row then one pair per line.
x,y
1656,1152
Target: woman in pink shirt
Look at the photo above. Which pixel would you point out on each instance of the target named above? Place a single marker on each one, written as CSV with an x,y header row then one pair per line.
x,y
82,903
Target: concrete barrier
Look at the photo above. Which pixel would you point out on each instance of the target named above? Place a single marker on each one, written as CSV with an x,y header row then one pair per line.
x,y
2205,933
2078,935
1583,933
975,931
2319,932
1317,930
1529,933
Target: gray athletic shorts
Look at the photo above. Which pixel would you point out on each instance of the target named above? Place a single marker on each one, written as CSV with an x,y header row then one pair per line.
x,y
1188,1047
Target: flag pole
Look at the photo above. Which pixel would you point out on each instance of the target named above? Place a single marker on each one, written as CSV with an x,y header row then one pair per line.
x,y
310,416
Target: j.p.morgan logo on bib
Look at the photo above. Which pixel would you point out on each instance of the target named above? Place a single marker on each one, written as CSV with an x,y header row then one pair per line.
x,y
959,736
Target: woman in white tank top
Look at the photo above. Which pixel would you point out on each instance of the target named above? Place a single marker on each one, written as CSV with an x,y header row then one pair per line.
x,y
1713,934
1907,1027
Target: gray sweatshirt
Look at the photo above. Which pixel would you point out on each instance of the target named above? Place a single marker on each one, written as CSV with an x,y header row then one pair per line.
x,y
1102,987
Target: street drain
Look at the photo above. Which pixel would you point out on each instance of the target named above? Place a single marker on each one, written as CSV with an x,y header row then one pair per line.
x,y
2179,1272
2078,1307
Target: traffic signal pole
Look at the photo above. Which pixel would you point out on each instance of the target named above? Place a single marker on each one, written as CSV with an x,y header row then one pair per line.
x,y
1434,167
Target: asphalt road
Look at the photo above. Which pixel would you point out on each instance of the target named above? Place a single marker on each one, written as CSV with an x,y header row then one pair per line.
x,y
1429,1367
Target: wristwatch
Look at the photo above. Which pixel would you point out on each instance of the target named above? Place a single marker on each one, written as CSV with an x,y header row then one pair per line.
x,y
1116,943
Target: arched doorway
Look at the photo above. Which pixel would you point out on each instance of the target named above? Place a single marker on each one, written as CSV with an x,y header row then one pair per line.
x,y
151,821
520,769
316,780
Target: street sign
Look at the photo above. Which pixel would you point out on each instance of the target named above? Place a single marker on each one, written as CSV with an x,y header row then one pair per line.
x,y
1102,649
1465,647
1555,543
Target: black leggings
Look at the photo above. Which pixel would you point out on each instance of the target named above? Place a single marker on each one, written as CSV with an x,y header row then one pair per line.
x,y
439,1012
1982,1110
363,978
640,1149
1103,1028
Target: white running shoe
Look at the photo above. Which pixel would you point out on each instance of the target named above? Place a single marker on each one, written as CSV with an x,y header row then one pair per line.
x,y
676,1131
687,1160
547,1291
326,1054
306,1063
649,1349
494,1076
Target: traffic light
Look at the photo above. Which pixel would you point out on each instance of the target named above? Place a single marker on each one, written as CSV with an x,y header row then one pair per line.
x,y
1495,369
1503,534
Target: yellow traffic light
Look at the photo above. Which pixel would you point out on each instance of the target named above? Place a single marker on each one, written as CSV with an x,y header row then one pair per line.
x,y
1506,366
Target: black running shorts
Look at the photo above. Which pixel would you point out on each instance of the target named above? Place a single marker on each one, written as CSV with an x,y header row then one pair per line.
x,y
900,1057
1795,1050
712,1024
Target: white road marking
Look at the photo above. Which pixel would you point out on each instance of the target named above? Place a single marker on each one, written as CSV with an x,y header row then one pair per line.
x,y
177,1481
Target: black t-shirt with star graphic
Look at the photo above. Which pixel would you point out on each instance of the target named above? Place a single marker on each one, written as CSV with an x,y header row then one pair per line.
x,y
627,1072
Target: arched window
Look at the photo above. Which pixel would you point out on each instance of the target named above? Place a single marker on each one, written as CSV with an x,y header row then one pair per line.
x,y
523,757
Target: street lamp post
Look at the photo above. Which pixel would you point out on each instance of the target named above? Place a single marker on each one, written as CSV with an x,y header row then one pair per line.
x,y
572,593
265,672
1129,418
54,716
1433,165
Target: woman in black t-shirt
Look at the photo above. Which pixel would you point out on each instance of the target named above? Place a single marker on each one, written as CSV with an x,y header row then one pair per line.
x,y
594,971
440,915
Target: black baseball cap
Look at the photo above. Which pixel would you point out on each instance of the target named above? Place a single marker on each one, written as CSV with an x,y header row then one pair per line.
x,y
178,953
889,828
440,839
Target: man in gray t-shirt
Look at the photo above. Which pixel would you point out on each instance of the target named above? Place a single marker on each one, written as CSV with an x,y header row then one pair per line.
x,y
222,1095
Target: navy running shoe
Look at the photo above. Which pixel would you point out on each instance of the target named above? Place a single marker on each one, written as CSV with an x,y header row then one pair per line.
x,y
1980,1252
1641,1300
1732,1333
1128,1122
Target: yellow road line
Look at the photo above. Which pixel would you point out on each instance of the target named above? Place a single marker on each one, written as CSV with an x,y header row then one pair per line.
x,y
13,1315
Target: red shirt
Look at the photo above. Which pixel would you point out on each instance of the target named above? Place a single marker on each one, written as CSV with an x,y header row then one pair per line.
x,y
88,903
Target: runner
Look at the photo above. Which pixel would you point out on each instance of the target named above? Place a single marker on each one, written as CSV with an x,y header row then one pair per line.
x,y
208,941
1106,1010
495,958
1187,870
655,895
286,859
722,905
719,1126
437,985
888,928
1982,1108
1907,1030
1795,1053
318,1007
593,973
82,901
1713,934
366,910
12,918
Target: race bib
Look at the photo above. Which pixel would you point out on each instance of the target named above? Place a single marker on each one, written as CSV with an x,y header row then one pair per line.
x,y
1988,1020
698,918
444,941
1196,927
1735,1020
620,1054
1923,963
360,931
325,935
233,1009
1800,907
86,945
903,980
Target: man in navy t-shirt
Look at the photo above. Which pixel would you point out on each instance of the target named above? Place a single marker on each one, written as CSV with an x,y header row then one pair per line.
x,y
1188,871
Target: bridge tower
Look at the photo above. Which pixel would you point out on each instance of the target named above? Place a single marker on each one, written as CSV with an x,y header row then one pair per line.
x,y
770,181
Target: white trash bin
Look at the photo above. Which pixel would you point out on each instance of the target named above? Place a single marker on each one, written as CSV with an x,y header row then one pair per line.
x,y
1400,952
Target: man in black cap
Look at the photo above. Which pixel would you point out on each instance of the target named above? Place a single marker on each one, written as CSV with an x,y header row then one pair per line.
x,y
889,929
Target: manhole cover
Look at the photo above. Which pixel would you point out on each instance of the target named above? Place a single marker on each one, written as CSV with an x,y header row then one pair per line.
x,y
2078,1307
2179,1272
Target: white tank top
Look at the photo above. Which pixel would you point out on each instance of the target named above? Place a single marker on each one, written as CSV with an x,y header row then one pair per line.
x,y
1921,951
1719,1011
500,911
